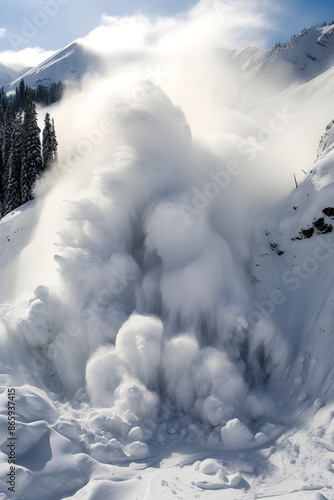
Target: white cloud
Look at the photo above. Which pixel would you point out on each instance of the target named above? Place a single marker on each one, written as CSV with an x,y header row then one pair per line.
x,y
185,45
211,23
28,57
3,32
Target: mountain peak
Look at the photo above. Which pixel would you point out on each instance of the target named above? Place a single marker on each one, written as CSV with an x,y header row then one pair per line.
x,y
300,59
311,52
68,65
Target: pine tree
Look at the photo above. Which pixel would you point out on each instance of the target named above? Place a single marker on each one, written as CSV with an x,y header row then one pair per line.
x,y
47,153
2,131
12,198
7,137
21,94
32,164
54,141
50,143
21,160
6,148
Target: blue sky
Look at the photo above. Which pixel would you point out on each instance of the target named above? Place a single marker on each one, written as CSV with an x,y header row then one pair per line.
x,y
298,14
59,22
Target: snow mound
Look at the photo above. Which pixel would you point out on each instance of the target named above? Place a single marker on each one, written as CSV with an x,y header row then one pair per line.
x,y
236,435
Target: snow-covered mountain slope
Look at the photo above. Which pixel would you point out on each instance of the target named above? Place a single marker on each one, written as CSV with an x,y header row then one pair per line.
x,y
68,65
7,74
294,261
300,59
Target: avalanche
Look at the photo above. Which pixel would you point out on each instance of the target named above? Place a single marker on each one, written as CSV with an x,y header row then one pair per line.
x,y
166,301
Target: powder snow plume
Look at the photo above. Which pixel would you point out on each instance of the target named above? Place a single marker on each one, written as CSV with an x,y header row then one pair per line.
x,y
133,293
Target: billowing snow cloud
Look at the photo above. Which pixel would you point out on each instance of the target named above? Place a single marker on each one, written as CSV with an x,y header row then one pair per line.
x,y
210,23
25,58
140,298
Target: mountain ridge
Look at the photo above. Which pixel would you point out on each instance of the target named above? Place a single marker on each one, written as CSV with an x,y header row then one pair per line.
x,y
300,59
68,65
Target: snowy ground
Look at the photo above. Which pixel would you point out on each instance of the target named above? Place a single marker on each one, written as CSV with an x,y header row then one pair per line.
x,y
52,461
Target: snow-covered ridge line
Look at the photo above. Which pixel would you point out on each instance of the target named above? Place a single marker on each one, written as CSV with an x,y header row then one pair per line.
x,y
301,58
68,65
